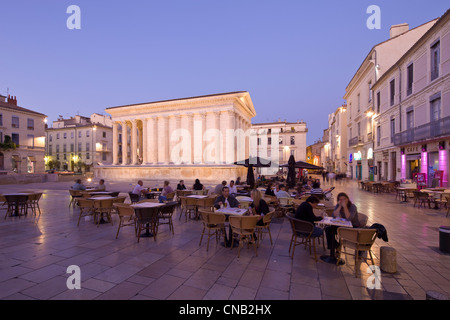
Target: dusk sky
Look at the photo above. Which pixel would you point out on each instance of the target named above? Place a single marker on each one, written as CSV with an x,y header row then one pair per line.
x,y
295,58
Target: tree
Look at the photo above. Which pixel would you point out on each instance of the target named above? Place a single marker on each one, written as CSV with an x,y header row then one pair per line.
x,y
8,144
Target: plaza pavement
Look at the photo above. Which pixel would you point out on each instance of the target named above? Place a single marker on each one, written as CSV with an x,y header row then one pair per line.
x,y
35,253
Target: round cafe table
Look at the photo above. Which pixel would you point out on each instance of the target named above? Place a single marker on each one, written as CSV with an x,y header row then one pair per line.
x,y
144,205
16,199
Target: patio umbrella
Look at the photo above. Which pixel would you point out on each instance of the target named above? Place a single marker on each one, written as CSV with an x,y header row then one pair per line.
x,y
303,165
256,162
250,176
290,181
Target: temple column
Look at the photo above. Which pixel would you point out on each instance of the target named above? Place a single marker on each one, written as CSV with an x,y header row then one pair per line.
x,y
144,141
152,145
198,138
115,144
124,143
134,159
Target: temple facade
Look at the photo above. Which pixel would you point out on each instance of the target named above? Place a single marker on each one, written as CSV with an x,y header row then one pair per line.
x,y
189,138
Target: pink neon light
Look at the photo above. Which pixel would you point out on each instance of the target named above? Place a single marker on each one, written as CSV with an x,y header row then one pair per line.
x,y
424,165
443,165
403,166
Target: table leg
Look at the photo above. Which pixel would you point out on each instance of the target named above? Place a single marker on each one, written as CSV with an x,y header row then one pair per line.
x,y
147,233
332,257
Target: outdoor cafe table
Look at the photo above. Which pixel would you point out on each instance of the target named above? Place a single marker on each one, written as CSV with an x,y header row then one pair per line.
x,y
15,199
436,195
230,212
402,191
198,198
145,205
334,223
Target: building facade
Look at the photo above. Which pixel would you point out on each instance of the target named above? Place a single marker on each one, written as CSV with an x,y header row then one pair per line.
x,y
24,128
412,113
197,137
360,98
337,141
79,143
277,141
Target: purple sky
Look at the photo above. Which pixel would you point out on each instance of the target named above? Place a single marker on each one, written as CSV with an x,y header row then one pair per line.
x,y
294,58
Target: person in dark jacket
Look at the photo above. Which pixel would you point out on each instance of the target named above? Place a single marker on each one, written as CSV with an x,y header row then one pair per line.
x,y
226,200
305,213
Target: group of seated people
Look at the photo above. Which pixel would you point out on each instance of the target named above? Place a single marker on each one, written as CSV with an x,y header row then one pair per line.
x,y
311,187
81,187
344,209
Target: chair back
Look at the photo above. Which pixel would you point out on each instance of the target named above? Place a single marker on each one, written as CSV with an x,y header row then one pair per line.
x,y
133,197
2,198
146,215
247,223
207,203
170,196
183,193
268,217
361,237
245,204
362,219
104,203
300,226
212,218
120,200
285,201
84,203
168,208
124,210
75,193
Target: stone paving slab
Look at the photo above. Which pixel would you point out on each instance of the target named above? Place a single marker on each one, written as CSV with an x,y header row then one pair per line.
x,y
35,252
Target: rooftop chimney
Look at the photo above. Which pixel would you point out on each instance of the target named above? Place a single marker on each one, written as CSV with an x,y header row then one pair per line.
x,y
12,100
398,29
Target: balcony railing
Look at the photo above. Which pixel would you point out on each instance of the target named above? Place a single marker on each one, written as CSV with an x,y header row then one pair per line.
x,y
430,130
355,141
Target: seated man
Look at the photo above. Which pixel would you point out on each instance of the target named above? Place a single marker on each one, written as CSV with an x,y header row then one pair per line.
x,y
219,187
226,200
139,189
305,213
282,192
78,185
101,185
233,189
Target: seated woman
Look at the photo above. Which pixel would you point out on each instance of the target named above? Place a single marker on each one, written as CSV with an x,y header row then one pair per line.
x,y
259,206
197,185
344,209
166,190
181,185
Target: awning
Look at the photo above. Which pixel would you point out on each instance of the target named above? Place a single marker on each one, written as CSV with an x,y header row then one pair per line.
x,y
32,158
16,158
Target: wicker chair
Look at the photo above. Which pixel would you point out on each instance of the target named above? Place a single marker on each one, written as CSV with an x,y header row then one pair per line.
x,y
147,218
267,218
243,228
188,205
214,223
165,213
421,198
126,216
303,230
357,239
86,209
104,206
74,194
